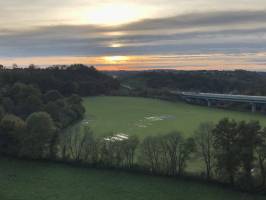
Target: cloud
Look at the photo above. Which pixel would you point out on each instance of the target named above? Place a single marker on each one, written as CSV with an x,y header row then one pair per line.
x,y
209,32
200,20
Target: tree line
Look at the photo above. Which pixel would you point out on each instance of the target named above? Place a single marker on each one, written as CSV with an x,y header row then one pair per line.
x,y
232,152
73,79
164,84
36,104
232,82
30,119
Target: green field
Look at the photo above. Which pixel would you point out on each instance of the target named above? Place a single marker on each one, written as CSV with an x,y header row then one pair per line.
x,y
25,180
143,116
28,180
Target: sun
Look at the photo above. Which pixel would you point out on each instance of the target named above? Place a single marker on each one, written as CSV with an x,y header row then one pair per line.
x,y
116,59
115,45
115,14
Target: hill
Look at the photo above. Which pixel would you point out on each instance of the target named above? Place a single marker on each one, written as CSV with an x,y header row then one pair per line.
x,y
27,180
234,82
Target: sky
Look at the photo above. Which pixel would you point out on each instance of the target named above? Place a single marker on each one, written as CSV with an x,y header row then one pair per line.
x,y
135,35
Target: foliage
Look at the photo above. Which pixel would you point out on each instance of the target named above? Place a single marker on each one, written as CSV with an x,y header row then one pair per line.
x,y
237,82
261,152
167,154
48,100
234,149
248,139
39,136
12,130
226,149
74,79
239,148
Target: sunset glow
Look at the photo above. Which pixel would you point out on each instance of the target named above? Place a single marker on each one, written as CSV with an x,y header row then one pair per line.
x,y
136,62
115,14
116,59
116,45
152,34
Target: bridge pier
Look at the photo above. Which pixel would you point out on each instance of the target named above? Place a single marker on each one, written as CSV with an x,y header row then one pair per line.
x,y
209,103
253,107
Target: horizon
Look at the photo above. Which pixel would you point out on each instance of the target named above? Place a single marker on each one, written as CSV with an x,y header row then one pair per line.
x,y
135,36
15,66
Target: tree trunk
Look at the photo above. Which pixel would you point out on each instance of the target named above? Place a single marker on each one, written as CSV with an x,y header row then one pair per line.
x,y
262,171
232,179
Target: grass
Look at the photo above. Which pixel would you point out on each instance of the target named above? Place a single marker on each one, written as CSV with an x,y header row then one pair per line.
x,y
27,180
142,117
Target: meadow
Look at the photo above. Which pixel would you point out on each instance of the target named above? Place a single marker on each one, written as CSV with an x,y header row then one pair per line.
x,y
28,180
142,116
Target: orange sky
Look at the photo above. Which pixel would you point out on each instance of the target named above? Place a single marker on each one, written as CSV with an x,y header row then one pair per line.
x,y
135,35
180,62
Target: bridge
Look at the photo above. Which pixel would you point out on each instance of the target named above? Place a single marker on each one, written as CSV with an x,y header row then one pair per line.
x,y
209,97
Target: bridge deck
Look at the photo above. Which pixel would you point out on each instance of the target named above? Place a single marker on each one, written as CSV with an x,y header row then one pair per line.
x,y
225,97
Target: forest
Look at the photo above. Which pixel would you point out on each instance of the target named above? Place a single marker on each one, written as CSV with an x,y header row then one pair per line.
x,y
39,105
228,82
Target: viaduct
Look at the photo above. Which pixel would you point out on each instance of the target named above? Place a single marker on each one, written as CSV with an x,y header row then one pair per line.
x,y
209,97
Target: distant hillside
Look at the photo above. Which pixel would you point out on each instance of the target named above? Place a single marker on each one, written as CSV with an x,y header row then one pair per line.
x,y
78,79
235,82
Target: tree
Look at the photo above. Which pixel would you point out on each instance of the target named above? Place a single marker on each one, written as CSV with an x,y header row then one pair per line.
x,y
8,105
52,95
92,146
2,112
32,66
40,133
261,152
248,139
33,104
170,149
111,151
186,148
78,109
204,141
12,129
20,91
14,66
129,147
167,154
76,142
151,153
226,149
54,111
27,99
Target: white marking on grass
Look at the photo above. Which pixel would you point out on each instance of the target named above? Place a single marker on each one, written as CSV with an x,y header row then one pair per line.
x,y
141,126
121,135
117,137
153,118
160,118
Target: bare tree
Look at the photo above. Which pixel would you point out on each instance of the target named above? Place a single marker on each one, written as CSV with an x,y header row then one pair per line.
x,y
76,143
204,141
129,147
186,148
151,153
170,146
